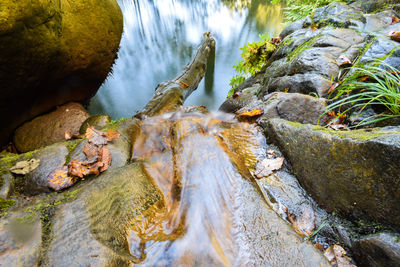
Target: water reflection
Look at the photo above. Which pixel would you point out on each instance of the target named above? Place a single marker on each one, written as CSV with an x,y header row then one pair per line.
x,y
160,36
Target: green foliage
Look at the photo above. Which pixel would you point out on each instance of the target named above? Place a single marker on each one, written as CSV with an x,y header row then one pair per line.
x,y
253,57
5,203
371,86
298,9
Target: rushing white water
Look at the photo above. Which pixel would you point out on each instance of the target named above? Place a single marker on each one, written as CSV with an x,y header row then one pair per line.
x,y
160,37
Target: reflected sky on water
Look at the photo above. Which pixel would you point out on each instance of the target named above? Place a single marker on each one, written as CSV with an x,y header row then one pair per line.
x,y
160,37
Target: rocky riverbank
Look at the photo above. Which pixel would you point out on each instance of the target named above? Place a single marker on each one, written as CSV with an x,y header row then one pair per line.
x,y
190,187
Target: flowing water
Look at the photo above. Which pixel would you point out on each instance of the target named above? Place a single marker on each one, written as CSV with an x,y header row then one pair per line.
x,y
160,37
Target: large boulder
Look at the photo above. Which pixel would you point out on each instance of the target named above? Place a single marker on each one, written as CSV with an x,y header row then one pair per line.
x,y
354,172
53,52
50,128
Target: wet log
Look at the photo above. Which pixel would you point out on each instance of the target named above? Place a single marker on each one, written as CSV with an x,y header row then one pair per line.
x,y
170,95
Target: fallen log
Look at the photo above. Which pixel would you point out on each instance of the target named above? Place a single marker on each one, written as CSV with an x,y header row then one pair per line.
x,y
170,95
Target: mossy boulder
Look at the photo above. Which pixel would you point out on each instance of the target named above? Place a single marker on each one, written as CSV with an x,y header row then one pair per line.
x,y
354,172
53,52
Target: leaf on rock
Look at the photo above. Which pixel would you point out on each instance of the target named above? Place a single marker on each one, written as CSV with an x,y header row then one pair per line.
x,y
78,169
25,167
183,84
394,20
276,40
104,159
336,255
267,166
95,136
395,36
69,136
250,114
314,28
344,61
338,127
112,135
91,152
59,179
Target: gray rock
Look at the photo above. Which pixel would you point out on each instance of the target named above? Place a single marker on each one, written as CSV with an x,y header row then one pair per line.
x,y
97,121
20,240
381,249
50,128
7,185
51,158
353,172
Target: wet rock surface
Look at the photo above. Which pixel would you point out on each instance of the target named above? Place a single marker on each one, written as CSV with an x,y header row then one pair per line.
x,y
97,121
50,128
53,52
381,249
353,172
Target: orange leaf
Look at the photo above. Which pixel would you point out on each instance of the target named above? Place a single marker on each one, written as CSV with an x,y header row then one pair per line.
x,y
59,179
250,114
314,28
394,20
77,168
183,84
276,40
91,152
395,36
112,135
333,87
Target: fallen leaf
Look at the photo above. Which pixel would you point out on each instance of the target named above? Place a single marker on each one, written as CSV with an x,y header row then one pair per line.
x,y
314,28
363,78
344,61
267,166
394,20
95,136
338,127
91,152
286,90
395,36
336,255
333,87
104,158
59,179
276,40
183,84
250,114
26,166
78,169
112,135
68,136
319,246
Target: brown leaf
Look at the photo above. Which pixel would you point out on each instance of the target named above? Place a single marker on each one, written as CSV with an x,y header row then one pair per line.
x,y
344,61
77,168
333,87
395,36
276,40
338,127
112,135
25,167
336,255
95,136
250,114
91,152
319,246
59,179
267,166
394,20
68,136
104,159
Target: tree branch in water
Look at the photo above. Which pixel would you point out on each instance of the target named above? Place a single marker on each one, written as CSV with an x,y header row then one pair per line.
x,y
170,95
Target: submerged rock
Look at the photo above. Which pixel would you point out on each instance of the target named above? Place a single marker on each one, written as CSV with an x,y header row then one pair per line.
x,y
50,128
353,172
53,52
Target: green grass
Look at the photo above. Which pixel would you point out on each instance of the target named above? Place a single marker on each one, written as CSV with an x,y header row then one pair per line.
x,y
298,9
371,86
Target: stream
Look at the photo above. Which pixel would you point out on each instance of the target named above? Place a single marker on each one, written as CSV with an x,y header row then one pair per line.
x,y
160,37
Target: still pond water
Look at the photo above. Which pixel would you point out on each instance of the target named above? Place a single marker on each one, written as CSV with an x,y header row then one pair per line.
x,y
160,37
